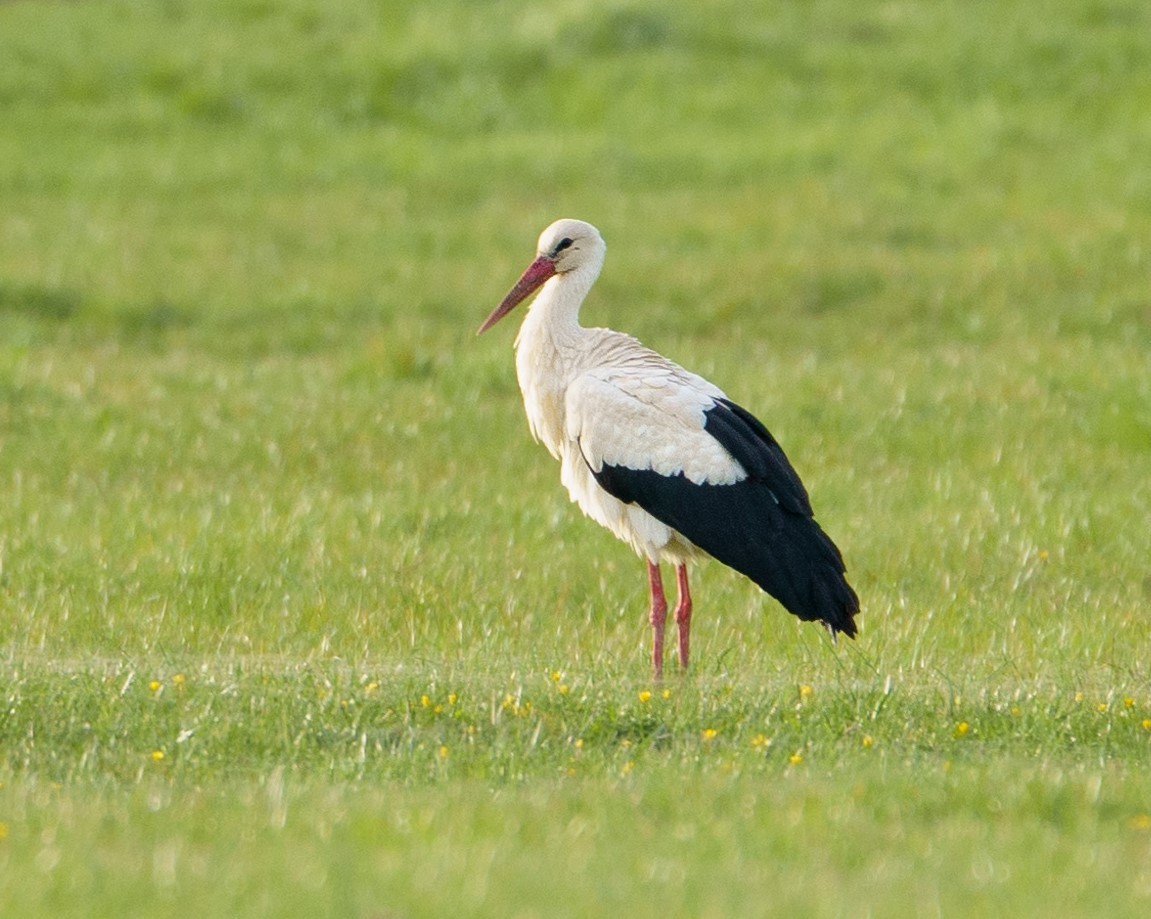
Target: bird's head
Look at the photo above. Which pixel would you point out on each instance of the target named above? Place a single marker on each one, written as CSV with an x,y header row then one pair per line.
x,y
565,246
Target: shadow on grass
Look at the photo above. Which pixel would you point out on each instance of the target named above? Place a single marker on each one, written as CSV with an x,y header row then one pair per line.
x,y
296,328
36,302
61,305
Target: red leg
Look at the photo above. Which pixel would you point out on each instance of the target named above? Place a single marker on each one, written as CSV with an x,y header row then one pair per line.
x,y
683,613
658,617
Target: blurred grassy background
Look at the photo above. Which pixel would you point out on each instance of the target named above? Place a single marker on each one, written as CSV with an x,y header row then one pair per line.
x,y
247,437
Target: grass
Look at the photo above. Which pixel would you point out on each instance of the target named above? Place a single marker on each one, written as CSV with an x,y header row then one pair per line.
x,y
296,620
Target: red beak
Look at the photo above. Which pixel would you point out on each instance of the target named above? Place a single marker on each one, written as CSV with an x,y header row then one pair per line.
x,y
537,272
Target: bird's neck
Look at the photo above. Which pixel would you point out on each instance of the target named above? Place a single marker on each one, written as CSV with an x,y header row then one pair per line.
x,y
551,330
549,349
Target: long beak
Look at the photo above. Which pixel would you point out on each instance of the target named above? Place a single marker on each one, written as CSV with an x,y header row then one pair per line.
x,y
537,272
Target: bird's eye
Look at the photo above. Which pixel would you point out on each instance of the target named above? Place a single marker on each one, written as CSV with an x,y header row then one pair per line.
x,y
563,244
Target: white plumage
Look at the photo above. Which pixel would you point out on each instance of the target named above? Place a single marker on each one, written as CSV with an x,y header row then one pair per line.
x,y
659,455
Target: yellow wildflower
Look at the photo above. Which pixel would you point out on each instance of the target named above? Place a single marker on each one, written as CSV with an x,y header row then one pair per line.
x,y
761,741
1147,724
962,728
452,698
666,694
1101,707
796,758
155,685
868,741
443,751
709,734
178,679
644,696
1128,702
157,755
805,691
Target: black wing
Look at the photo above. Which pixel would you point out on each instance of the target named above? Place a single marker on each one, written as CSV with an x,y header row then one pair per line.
x,y
761,526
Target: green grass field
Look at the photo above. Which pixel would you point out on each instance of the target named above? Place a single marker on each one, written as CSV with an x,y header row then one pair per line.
x,y
295,619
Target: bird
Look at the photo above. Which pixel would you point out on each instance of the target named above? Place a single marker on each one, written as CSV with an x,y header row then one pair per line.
x,y
660,456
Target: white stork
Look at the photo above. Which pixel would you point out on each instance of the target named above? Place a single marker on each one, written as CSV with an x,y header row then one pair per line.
x,y
659,455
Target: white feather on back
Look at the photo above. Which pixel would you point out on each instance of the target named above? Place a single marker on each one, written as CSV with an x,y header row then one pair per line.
x,y
648,413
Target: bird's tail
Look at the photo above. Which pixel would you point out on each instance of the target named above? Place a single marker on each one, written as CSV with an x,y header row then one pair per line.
x,y
807,575
788,555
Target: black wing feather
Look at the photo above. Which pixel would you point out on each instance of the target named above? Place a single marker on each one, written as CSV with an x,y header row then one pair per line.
x,y
761,526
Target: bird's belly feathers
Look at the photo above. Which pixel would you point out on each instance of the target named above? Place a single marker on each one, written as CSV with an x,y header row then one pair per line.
x,y
648,536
